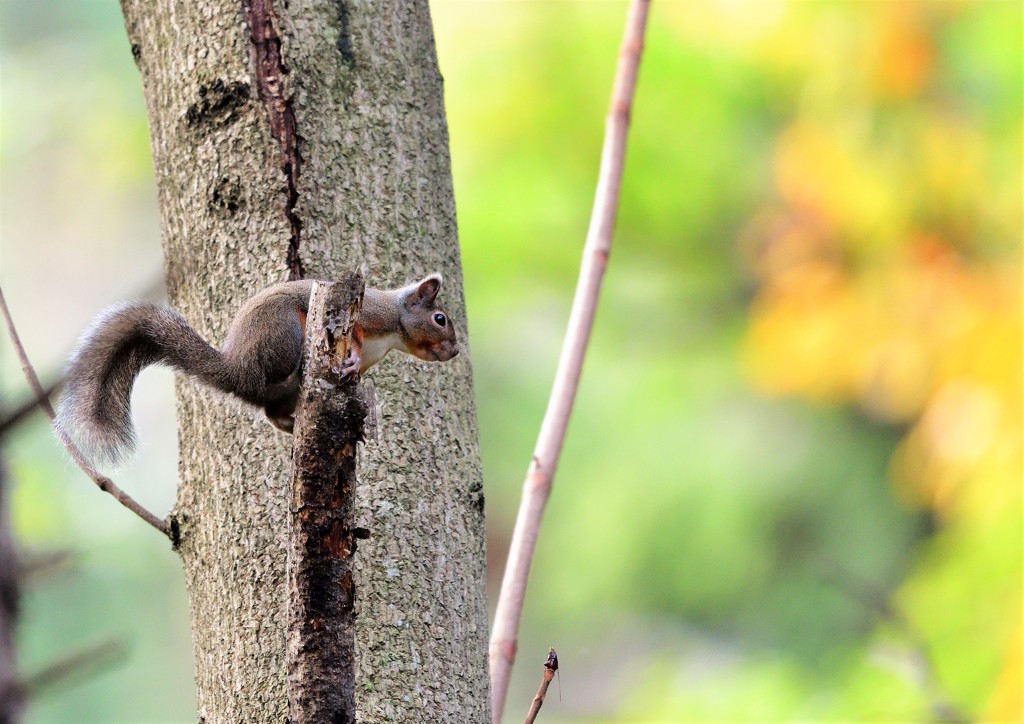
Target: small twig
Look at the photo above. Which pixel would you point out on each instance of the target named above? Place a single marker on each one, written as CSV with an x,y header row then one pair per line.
x,y
32,566
874,599
154,291
537,486
93,658
550,667
19,413
102,482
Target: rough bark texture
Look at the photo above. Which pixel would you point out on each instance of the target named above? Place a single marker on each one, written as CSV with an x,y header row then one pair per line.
x,y
373,193
328,426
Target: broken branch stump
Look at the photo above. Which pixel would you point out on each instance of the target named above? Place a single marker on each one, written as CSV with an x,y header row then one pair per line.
x,y
322,540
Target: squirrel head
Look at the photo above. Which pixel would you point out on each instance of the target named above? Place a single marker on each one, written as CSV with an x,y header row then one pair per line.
x,y
430,334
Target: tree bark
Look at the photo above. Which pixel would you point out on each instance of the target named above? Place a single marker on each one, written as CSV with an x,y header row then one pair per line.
x,y
329,422
309,136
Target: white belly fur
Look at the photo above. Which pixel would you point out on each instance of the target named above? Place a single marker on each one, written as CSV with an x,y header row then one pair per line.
x,y
375,349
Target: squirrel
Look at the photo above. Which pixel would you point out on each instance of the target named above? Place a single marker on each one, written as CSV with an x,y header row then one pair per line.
x,y
260,362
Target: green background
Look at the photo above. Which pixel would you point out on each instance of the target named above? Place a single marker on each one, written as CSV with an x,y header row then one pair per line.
x,y
719,545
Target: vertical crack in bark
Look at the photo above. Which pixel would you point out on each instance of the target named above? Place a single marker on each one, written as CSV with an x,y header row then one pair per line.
x,y
270,71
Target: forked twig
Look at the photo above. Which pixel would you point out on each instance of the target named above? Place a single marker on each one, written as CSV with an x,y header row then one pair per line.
x,y
15,417
550,667
154,290
102,482
874,599
537,486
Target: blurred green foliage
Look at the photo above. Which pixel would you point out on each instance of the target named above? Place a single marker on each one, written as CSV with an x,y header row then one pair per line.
x,y
791,488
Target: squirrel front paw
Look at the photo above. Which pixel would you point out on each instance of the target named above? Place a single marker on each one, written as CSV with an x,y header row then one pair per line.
x,y
353,361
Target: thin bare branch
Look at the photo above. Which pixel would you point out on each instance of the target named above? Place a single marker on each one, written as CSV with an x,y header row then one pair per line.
x,y
84,662
537,486
154,290
21,412
875,599
34,566
550,667
102,482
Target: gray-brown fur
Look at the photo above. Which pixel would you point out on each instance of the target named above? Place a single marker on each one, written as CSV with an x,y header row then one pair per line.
x,y
411,314
259,362
264,342
379,310
95,407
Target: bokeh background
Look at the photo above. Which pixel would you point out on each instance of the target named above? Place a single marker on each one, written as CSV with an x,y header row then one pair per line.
x,y
792,485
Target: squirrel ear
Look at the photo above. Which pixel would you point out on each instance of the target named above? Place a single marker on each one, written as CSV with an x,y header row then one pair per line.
x,y
425,291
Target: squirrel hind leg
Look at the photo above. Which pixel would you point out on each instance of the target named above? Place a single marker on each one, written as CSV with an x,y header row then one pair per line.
x,y
284,423
281,413
280,409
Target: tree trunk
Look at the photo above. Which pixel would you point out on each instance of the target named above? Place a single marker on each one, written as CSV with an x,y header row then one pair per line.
x,y
309,136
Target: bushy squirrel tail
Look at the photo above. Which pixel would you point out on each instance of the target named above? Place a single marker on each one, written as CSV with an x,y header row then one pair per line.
x,y
95,406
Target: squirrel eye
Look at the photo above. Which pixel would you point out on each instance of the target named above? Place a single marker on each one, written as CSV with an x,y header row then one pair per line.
x,y
440,319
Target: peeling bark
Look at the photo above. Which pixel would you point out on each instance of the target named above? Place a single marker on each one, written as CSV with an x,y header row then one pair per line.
x,y
328,426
